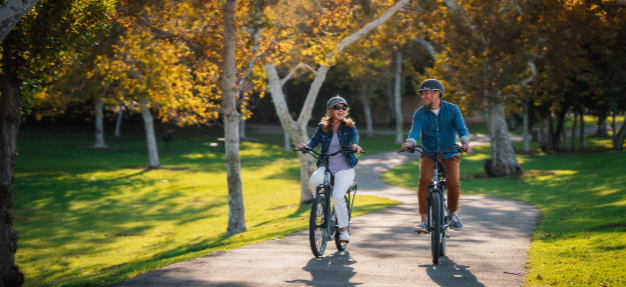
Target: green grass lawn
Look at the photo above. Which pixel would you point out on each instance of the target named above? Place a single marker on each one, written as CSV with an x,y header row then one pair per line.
x,y
92,217
581,236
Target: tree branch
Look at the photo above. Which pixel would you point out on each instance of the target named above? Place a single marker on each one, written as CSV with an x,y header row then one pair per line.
x,y
370,26
427,46
293,71
11,12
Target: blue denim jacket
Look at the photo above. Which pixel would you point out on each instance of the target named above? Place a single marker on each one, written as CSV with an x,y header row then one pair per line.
x,y
346,136
439,132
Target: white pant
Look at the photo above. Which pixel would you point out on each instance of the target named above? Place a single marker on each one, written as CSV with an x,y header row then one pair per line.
x,y
343,179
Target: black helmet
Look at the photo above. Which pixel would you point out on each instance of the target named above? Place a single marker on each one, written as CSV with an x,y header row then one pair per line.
x,y
335,100
431,85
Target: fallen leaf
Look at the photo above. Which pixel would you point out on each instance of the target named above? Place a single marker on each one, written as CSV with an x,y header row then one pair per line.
x,y
566,213
561,218
575,209
539,277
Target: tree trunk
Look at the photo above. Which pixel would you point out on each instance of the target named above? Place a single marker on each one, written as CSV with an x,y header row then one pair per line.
x,y
294,130
546,142
365,98
99,128
10,120
560,127
118,121
242,128
573,147
287,142
236,210
525,134
153,152
618,138
583,143
602,132
503,161
613,123
99,118
398,101
297,129
391,105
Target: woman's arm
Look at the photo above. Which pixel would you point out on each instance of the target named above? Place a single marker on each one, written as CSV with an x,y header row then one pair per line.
x,y
316,139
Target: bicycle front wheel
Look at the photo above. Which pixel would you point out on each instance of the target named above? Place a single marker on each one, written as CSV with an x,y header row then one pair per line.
x,y
317,230
436,220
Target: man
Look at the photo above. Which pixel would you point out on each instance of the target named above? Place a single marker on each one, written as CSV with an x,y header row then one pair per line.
x,y
438,122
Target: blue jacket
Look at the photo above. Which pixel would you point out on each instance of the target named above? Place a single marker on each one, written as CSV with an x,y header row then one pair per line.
x,y
439,132
347,137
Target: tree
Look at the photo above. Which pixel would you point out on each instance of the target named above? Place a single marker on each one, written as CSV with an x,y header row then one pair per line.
x,y
53,34
12,12
324,50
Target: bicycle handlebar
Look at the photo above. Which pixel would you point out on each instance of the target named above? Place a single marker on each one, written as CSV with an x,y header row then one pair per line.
x,y
344,150
413,149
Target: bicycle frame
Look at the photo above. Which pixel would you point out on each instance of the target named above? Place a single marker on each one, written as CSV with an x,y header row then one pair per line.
x,y
437,185
329,178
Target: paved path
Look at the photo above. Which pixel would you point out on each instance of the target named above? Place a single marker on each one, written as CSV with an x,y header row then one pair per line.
x,y
384,251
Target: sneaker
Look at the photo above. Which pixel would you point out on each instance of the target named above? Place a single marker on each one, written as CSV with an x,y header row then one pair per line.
x,y
344,236
455,222
421,228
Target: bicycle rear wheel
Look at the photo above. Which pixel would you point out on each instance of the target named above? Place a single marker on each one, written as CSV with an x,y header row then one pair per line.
x,y
436,220
317,234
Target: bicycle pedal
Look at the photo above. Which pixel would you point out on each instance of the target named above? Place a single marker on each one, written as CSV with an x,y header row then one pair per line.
x,y
344,241
421,232
447,235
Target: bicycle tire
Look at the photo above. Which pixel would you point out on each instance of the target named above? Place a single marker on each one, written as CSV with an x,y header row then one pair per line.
x,y
318,236
435,202
341,246
442,247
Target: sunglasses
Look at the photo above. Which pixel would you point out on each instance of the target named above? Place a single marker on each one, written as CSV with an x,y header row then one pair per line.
x,y
336,108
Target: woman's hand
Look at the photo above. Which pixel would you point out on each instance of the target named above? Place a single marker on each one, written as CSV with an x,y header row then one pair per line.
x,y
303,145
357,148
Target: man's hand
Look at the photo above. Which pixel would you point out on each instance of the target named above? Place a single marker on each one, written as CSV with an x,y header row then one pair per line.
x,y
303,145
468,148
357,148
406,145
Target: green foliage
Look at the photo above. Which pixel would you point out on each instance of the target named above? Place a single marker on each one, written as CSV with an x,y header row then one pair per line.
x,y
53,34
92,217
580,236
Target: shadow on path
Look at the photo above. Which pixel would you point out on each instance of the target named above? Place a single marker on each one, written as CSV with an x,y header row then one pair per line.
x,y
461,276
333,270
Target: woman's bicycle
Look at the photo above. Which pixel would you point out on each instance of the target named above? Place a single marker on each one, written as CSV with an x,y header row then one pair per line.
x,y
323,221
437,220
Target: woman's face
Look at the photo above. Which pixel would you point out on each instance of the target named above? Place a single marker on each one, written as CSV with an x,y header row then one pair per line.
x,y
339,113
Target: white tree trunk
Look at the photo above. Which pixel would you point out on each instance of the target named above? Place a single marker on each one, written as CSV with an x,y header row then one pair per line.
x,y
118,121
236,210
11,12
99,126
398,100
296,132
297,129
153,152
503,162
526,128
287,141
365,99
242,128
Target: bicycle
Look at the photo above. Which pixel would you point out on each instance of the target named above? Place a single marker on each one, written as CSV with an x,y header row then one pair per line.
x,y
435,201
322,221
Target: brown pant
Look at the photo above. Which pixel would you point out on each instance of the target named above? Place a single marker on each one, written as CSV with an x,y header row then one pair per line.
x,y
452,182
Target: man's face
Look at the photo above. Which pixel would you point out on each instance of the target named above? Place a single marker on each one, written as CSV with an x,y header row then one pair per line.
x,y
429,97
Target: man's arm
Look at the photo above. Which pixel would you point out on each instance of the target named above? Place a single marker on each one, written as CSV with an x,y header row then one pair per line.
x,y
416,128
462,130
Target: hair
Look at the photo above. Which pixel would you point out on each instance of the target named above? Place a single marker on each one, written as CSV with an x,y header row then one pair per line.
x,y
327,120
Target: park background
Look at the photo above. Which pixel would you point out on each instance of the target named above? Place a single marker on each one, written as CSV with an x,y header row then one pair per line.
x,y
97,86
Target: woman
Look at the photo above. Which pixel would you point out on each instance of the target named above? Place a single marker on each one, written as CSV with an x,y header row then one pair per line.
x,y
335,131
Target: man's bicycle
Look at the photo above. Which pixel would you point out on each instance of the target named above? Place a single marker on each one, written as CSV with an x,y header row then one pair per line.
x,y
323,221
437,220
